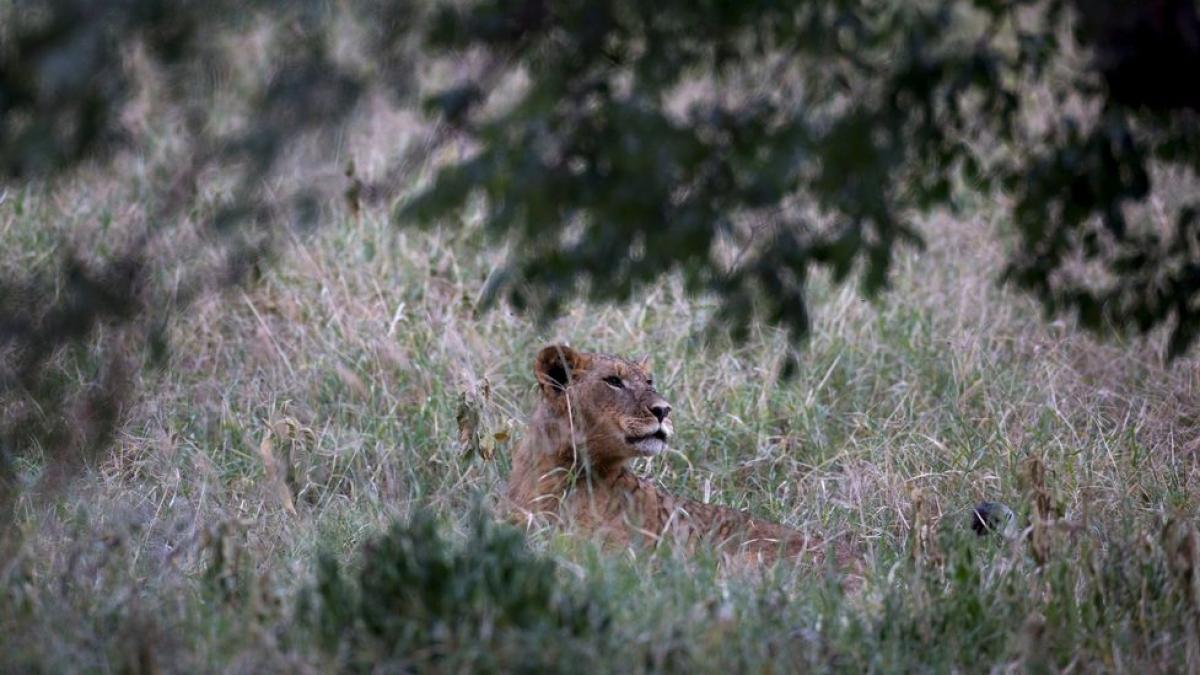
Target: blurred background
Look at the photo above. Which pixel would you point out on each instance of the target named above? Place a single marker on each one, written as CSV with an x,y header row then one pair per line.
x,y
272,276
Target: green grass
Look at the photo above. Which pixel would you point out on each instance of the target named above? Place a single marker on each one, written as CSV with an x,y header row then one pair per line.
x,y
194,544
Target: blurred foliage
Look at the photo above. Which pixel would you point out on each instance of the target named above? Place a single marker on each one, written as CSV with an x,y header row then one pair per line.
x,y
69,70
417,601
968,609
747,143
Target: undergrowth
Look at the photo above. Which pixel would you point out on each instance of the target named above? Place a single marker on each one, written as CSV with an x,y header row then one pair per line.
x,y
287,491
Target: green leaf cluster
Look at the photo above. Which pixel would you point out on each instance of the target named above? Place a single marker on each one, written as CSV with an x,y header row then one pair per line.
x,y
415,599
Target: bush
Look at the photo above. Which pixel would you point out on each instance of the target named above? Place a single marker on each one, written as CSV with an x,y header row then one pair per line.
x,y
420,601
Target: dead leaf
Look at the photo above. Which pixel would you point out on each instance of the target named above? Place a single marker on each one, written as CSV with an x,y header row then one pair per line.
x,y
468,425
274,479
487,449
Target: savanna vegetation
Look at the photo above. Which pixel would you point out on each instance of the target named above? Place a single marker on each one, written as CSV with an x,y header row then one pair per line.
x,y
272,278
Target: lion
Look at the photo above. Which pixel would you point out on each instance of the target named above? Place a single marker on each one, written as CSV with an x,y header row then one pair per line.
x,y
596,413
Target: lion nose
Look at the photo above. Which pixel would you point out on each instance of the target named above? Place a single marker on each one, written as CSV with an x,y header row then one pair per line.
x,y
660,410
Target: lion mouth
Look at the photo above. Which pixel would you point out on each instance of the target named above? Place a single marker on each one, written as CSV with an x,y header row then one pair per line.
x,y
649,444
660,435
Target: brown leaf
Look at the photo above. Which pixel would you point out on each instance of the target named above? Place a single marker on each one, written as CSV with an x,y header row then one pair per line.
x,y
274,478
468,425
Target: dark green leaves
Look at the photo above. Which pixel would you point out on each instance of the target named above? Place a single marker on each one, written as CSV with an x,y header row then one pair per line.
x,y
744,143
416,598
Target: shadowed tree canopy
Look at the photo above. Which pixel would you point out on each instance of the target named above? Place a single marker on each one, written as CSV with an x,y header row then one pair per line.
x,y
746,144
69,71
741,144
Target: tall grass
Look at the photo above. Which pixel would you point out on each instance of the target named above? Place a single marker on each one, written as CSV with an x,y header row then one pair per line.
x,y
304,418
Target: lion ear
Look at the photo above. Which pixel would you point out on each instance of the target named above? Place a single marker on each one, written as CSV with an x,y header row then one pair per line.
x,y
557,366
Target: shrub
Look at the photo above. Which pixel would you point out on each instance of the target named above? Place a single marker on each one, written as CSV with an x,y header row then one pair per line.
x,y
417,600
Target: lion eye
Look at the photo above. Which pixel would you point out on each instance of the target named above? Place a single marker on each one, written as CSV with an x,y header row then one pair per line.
x,y
614,381
650,382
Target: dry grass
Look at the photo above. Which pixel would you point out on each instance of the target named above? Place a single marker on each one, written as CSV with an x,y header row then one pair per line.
x,y
311,410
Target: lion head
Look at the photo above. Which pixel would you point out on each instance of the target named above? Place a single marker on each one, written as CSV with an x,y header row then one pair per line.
x,y
610,402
